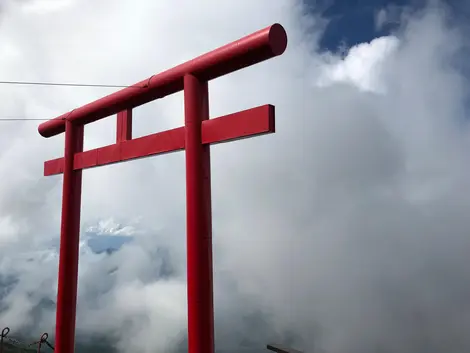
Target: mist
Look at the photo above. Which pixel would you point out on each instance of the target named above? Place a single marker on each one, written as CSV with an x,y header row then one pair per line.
x,y
345,231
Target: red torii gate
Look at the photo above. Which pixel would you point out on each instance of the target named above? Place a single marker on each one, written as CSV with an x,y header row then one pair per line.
x,y
195,138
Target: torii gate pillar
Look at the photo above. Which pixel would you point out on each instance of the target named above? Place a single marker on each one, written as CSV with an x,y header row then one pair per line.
x,y
195,137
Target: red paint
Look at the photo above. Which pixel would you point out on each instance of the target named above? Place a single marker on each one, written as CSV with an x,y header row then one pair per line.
x,y
198,219
257,47
69,242
124,126
195,138
247,123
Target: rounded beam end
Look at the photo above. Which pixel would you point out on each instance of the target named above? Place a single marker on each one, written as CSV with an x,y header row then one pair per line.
x,y
52,127
277,39
42,130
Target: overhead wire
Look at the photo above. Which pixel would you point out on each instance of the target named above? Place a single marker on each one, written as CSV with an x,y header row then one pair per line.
x,y
23,119
67,84
58,84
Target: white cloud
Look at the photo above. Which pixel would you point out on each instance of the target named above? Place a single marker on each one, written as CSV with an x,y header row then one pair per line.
x,y
363,66
348,226
43,7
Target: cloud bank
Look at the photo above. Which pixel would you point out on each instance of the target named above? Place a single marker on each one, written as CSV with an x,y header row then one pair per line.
x,y
346,231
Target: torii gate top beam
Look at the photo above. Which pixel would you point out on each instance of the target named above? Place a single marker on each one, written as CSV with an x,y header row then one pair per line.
x,y
247,51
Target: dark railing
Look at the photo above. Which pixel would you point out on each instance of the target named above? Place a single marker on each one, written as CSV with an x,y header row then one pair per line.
x,y
9,344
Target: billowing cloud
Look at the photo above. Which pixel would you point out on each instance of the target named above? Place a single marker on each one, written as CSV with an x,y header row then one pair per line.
x,y
345,231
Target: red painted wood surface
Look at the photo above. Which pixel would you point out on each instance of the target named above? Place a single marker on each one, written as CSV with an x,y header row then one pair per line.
x,y
251,122
195,138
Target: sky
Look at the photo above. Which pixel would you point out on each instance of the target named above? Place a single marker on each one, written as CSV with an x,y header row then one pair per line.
x,y
345,231
351,22
357,21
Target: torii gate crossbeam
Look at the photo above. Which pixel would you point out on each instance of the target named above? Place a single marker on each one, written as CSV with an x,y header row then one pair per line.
x,y
195,137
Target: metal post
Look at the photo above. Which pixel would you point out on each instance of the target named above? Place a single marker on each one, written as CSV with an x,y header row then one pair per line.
x,y
198,219
69,242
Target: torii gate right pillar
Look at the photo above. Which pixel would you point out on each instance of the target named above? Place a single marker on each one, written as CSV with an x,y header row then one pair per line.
x,y
198,219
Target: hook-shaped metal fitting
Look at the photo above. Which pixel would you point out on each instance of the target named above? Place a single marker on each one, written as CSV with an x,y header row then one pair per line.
x,y
5,332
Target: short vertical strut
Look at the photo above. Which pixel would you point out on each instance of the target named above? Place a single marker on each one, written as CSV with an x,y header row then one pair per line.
x,y
124,126
69,242
198,219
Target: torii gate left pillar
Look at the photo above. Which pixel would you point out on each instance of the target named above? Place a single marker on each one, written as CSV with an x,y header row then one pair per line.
x,y
198,133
